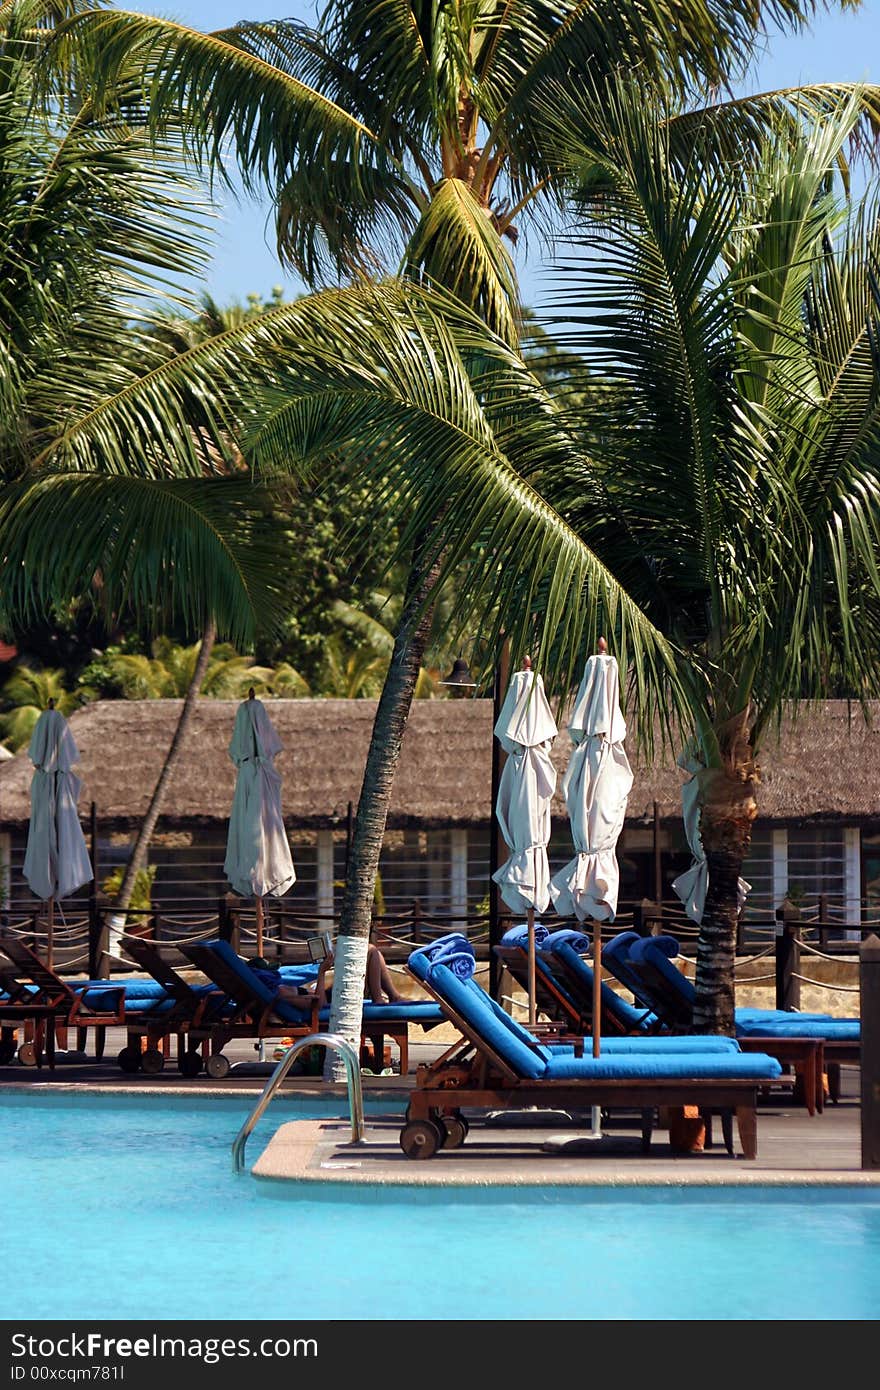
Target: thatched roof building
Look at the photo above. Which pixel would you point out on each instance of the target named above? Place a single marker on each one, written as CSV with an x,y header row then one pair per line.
x,y
825,767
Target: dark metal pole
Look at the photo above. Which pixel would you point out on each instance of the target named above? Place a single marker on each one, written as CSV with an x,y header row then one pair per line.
x,y
497,847
658,874
788,955
349,832
96,945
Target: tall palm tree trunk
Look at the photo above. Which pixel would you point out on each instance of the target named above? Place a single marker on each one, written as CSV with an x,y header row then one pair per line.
x,y
726,833
350,955
148,825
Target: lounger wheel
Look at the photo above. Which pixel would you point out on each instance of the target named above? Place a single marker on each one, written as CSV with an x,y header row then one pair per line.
x,y
152,1061
191,1062
27,1054
454,1130
421,1139
217,1066
7,1050
129,1059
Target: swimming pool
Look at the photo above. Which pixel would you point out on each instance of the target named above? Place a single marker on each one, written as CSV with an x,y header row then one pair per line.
x,y
127,1207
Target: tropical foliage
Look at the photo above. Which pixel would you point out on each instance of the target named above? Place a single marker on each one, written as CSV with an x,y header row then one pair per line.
x,y
97,221
25,695
734,311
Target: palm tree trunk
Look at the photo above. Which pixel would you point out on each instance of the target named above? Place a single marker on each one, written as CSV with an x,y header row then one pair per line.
x,y
148,825
350,958
726,833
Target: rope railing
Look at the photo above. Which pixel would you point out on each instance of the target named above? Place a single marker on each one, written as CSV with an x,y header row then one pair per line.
x,y
758,955
826,984
812,950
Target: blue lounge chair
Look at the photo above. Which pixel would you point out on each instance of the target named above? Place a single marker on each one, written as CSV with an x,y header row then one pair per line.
x,y
813,1043
261,1014
498,1064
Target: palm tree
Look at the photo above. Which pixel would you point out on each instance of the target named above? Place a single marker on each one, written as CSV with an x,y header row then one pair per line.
x,y
98,219
403,134
734,310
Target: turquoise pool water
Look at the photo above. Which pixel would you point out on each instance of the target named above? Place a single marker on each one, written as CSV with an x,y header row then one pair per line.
x,y
118,1207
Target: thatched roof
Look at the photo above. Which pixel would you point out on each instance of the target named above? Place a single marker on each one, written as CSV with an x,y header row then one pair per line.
x,y
827,765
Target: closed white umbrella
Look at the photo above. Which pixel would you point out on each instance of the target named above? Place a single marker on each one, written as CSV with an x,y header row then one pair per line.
x,y
693,884
525,728
258,859
56,861
596,785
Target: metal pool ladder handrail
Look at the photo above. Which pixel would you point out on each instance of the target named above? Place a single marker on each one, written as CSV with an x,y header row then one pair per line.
x,y
337,1043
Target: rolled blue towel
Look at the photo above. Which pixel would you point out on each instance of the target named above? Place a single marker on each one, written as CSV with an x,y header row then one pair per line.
x,y
666,945
454,951
575,939
519,935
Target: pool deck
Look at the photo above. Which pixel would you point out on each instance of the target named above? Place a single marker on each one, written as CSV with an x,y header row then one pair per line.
x,y
533,1148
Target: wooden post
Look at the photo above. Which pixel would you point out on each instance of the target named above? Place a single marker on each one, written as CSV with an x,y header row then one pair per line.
x,y
788,955
823,920
228,922
417,919
259,906
349,834
99,940
50,934
869,983
497,848
658,862
97,947
93,836
648,916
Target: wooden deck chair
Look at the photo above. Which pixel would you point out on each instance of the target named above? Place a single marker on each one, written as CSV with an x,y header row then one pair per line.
x,y
189,1007
498,1065
45,1003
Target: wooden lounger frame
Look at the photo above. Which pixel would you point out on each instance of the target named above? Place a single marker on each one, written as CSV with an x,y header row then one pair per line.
x,y
471,1074
257,1019
812,1057
51,1006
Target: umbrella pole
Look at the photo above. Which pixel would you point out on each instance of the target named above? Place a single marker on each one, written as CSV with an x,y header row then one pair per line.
x,y
50,933
597,1014
259,902
597,988
533,1012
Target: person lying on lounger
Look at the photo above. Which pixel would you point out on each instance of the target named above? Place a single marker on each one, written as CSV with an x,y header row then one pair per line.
x,y
378,985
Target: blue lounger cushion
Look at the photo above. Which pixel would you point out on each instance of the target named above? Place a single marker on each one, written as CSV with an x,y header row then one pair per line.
x,y
413,1011
615,957
532,1061
522,1057
132,988
660,1043
693,1066
749,1022
626,1014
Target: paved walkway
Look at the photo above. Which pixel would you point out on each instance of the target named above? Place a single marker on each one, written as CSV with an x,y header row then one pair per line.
x,y
539,1148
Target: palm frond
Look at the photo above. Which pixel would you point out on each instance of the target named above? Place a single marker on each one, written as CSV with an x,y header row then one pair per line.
x,y
234,108
456,246
161,550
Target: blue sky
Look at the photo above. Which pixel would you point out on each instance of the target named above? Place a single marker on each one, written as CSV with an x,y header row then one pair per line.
x,y
840,47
